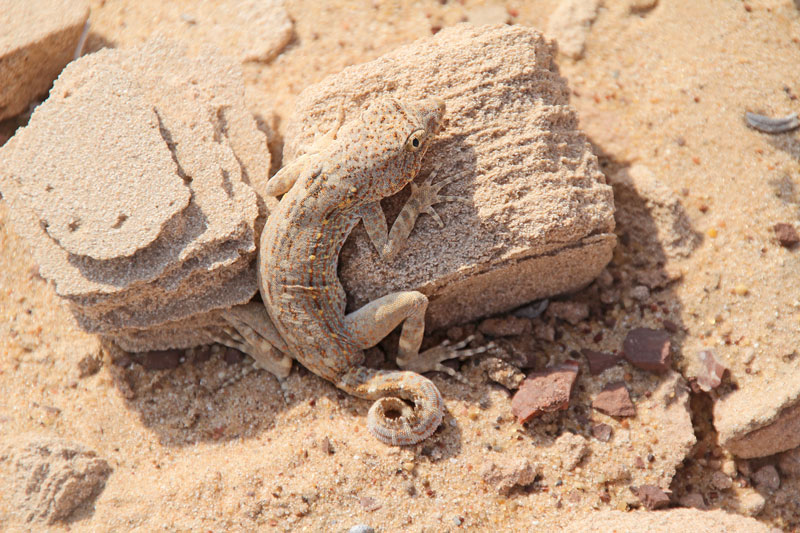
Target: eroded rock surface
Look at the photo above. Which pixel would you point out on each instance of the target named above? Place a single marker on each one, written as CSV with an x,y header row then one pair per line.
x,y
134,184
37,39
540,220
46,480
668,521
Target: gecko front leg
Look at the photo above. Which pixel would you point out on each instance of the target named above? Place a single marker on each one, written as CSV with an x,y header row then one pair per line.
x,y
375,320
423,198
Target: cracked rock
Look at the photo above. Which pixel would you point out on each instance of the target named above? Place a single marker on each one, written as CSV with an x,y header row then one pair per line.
x,y
37,40
46,480
144,262
540,216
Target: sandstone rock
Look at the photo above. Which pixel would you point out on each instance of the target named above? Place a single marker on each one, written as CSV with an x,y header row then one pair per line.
x,y
544,392
758,425
542,218
767,479
615,400
648,349
46,480
37,39
503,327
570,23
135,257
252,30
789,462
786,234
752,503
667,521
652,497
508,474
653,214
599,361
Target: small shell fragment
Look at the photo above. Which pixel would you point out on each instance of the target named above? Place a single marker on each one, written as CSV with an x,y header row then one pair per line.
x,y
772,125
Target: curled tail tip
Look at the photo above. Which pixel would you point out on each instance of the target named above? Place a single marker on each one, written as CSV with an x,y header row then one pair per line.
x,y
395,423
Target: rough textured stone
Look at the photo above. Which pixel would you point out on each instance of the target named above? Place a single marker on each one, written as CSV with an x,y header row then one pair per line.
x,y
570,23
46,480
572,312
652,497
789,462
653,214
138,258
37,39
648,349
667,521
786,234
544,392
252,30
761,427
508,474
599,361
767,478
711,370
615,400
541,217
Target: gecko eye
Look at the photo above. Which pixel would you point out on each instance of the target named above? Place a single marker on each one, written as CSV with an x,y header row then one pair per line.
x,y
415,140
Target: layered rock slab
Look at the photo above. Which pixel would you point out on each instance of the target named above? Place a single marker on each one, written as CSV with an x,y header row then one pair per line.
x,y
134,183
540,221
37,40
667,521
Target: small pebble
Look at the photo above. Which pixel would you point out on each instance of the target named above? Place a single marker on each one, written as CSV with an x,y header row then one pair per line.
x,y
361,528
648,349
615,400
640,293
720,481
766,478
752,504
786,234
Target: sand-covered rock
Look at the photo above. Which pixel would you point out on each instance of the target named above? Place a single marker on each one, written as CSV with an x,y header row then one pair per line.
x,y
134,184
46,480
37,39
667,521
540,220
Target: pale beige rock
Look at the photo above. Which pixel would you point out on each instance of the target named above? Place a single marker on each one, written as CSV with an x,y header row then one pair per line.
x,y
252,30
653,214
570,23
540,219
46,479
764,418
667,521
37,39
192,213
97,195
506,474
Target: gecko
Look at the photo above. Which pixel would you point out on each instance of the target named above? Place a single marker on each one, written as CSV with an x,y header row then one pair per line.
x,y
325,193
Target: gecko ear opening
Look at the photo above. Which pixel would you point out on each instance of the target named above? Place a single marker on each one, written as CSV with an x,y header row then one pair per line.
x,y
415,140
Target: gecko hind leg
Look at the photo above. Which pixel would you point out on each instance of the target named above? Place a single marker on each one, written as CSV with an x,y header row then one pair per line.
x,y
391,419
252,332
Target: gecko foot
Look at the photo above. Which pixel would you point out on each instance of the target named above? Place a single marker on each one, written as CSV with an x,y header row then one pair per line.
x,y
427,195
431,360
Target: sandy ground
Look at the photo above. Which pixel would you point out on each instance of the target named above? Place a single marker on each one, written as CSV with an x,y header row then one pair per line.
x,y
665,87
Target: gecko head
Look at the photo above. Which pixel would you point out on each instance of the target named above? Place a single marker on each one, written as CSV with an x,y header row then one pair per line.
x,y
401,132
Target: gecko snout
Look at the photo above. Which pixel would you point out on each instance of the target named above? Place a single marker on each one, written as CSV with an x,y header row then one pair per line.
x,y
431,112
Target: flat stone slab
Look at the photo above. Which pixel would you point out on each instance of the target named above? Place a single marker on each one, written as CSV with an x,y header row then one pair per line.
x,y
134,184
541,217
110,191
37,39
667,521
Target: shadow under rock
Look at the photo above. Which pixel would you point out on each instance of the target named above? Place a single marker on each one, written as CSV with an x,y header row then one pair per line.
x,y
652,231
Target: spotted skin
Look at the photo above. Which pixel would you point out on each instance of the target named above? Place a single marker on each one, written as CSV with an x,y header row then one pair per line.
x,y
326,192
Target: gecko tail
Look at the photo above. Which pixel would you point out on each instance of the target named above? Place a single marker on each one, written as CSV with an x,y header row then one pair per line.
x,y
408,409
